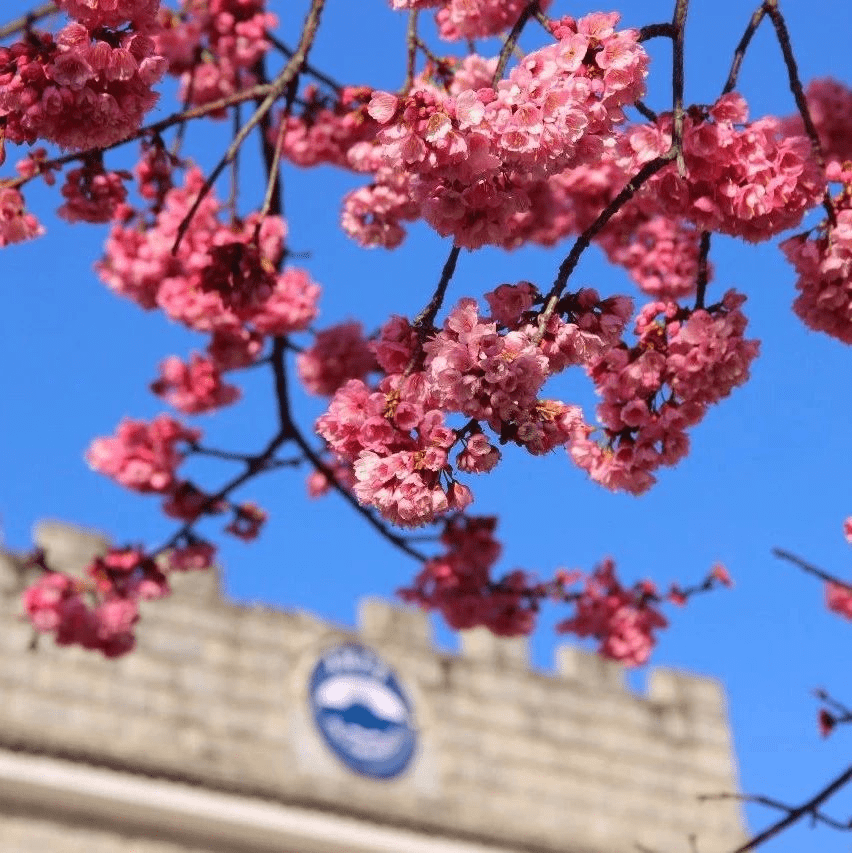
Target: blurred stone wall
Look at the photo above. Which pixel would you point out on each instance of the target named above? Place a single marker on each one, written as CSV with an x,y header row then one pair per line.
x,y
211,715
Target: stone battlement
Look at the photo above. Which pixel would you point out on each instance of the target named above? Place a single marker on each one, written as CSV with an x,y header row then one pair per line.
x,y
216,695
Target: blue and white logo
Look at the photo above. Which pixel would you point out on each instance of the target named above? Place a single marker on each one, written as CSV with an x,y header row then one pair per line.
x,y
362,712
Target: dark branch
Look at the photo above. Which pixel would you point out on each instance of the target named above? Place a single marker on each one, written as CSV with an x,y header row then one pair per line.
x,y
678,27
742,47
810,568
426,318
783,35
665,30
512,39
26,21
280,85
794,813
703,269
584,240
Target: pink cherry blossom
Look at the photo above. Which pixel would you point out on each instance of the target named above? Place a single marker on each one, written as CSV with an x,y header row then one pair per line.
x,y
338,353
142,456
823,262
16,224
79,90
623,620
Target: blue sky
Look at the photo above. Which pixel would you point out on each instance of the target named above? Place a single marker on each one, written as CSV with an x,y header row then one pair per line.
x,y
770,466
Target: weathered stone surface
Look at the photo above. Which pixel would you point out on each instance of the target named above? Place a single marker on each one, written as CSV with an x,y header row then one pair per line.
x,y
216,695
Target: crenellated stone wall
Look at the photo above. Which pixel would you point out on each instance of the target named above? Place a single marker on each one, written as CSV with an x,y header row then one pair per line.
x,y
215,697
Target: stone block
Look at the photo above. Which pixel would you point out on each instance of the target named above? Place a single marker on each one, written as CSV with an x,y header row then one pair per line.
x,y
480,645
590,668
69,548
383,623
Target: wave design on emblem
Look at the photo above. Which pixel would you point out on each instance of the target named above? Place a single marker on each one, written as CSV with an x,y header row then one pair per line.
x,y
363,702
366,743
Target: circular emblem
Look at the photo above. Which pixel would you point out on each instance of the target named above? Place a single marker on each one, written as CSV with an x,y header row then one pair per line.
x,y
361,711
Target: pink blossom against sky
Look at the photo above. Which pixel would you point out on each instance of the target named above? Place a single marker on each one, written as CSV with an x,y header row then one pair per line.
x,y
769,466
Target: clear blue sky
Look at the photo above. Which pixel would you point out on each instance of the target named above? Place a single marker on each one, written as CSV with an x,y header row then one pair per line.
x,y
769,467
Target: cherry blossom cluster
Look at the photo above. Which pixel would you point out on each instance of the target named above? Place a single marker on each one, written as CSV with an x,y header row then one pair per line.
x,y
214,46
458,584
247,521
622,619
830,105
682,362
373,215
660,253
83,89
472,155
823,262
100,609
92,194
221,279
195,387
96,14
750,181
60,604
397,444
471,19
16,223
154,173
337,354
143,457
490,371
326,131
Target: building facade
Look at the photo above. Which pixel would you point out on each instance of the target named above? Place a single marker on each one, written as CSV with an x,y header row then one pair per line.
x,y
246,729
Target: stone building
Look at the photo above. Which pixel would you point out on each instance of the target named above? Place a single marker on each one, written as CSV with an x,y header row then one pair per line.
x,y
245,729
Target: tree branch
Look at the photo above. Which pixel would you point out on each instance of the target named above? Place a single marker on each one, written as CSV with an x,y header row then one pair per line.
x,y
512,39
584,240
794,814
783,36
703,269
810,568
678,27
26,21
741,48
411,42
426,318
287,75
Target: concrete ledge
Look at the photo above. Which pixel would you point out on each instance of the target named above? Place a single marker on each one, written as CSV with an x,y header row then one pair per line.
x,y
59,790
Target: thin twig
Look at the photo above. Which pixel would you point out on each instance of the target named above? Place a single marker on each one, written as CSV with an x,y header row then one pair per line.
x,y
783,35
235,169
512,39
411,42
645,110
290,71
584,240
810,568
543,20
426,317
794,814
664,30
26,21
703,269
742,47
273,199
220,454
679,26
307,68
